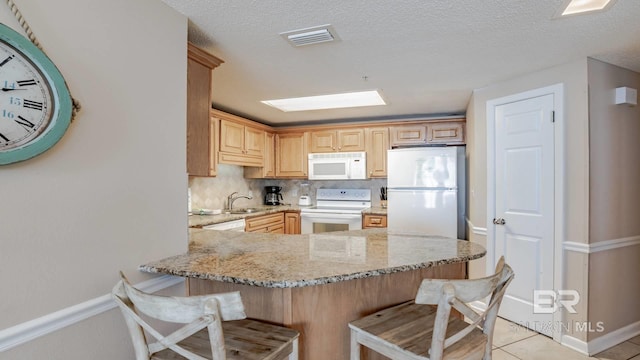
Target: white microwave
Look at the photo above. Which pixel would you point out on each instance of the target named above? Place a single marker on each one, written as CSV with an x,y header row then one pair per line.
x,y
338,166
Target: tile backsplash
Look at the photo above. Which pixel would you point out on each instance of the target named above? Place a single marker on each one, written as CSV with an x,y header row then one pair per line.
x,y
212,192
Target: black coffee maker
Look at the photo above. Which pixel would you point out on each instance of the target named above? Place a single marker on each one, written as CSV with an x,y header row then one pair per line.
x,y
272,195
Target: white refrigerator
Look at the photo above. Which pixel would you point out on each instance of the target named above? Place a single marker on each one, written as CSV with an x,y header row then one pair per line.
x,y
425,191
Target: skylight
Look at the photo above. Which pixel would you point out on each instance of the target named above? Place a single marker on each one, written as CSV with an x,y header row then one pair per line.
x,y
331,101
575,7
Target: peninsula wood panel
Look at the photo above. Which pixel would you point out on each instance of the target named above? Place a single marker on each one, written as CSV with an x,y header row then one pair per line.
x,y
321,313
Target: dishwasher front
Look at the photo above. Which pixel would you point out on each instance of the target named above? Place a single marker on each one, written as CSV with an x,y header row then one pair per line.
x,y
234,225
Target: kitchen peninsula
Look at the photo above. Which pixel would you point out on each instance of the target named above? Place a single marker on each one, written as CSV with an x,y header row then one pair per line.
x,y
317,283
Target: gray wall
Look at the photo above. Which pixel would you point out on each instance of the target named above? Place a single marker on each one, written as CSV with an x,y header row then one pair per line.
x,y
111,195
576,178
602,196
614,196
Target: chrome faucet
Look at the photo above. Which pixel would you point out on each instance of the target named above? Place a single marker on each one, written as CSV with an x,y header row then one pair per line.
x,y
231,199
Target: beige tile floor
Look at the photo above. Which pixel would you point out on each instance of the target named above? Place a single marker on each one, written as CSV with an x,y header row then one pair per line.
x,y
512,342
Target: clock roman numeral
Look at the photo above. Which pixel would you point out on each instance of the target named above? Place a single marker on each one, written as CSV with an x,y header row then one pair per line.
x,y
24,122
4,137
6,60
26,82
32,104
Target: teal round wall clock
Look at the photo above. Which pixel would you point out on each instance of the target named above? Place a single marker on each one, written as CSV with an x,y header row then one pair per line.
x,y
35,104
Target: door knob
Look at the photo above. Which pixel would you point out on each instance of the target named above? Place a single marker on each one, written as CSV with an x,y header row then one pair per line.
x,y
499,221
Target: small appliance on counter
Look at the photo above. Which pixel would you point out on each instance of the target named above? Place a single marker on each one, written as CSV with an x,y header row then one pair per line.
x,y
272,195
304,199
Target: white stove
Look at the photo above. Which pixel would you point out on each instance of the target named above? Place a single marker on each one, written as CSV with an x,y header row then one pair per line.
x,y
335,210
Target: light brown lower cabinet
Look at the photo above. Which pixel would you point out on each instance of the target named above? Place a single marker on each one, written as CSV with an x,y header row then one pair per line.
x,y
374,221
292,222
270,223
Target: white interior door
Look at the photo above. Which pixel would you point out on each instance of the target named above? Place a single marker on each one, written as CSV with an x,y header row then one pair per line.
x,y
523,220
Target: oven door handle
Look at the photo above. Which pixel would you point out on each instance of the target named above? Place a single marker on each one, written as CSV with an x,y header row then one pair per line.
x,y
331,216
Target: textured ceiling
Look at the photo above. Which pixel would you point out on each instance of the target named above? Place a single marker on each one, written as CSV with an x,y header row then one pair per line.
x,y
425,56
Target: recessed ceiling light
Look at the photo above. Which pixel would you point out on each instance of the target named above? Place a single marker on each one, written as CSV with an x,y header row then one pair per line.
x,y
574,7
332,101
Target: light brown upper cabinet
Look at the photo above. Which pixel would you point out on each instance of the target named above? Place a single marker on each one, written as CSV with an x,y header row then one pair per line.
x,y
292,155
201,130
445,132
407,135
241,141
449,133
269,168
337,140
377,146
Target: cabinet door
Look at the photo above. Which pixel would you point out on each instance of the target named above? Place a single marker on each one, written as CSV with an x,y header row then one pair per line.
x,y
231,137
445,133
291,223
269,155
408,135
351,140
377,146
268,170
253,141
323,142
291,155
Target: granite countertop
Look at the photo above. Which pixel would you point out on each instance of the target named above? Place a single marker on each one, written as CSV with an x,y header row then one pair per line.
x,y
286,261
198,221
375,210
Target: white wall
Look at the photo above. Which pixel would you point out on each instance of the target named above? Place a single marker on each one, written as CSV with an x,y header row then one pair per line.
x,y
111,195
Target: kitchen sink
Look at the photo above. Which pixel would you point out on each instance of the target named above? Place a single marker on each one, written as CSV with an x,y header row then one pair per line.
x,y
243,211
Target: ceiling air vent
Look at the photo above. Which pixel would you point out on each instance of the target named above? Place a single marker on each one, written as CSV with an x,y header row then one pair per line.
x,y
310,36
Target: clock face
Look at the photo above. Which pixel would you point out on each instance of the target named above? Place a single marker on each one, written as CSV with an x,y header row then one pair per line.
x,y
26,101
35,104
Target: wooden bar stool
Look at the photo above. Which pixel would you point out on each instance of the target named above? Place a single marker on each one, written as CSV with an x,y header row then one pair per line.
x,y
216,327
420,330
